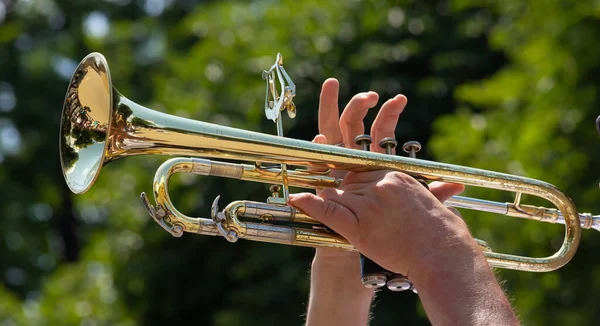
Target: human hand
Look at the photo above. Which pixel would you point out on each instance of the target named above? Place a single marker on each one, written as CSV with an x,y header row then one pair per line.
x,y
336,130
391,218
336,273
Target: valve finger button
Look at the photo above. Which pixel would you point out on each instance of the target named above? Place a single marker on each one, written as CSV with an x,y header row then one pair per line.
x,y
363,141
412,148
399,283
374,280
388,143
275,189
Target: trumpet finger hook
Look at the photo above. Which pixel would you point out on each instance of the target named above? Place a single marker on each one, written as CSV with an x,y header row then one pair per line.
x,y
158,215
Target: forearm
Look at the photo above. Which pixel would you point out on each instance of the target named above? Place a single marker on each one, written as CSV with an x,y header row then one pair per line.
x,y
337,296
461,289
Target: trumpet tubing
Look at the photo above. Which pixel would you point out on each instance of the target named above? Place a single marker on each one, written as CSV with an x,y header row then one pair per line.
x,y
99,125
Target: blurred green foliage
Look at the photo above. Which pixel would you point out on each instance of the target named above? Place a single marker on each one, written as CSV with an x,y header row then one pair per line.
x,y
500,85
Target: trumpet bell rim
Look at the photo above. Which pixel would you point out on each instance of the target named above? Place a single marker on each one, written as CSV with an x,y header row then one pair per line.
x,y
85,123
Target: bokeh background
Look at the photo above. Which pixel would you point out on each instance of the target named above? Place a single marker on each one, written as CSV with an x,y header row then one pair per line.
x,y
508,85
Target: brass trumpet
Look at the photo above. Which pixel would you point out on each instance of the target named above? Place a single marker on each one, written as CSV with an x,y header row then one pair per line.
x,y
99,125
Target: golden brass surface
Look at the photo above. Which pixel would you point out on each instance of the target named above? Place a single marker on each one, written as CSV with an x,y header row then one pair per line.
x,y
99,125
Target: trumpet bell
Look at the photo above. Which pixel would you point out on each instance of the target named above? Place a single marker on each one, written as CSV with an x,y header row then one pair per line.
x,y
85,124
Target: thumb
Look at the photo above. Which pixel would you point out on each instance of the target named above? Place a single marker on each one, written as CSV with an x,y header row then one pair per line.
x,y
334,215
443,191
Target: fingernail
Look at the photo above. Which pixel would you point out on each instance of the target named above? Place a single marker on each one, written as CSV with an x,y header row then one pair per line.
x,y
320,139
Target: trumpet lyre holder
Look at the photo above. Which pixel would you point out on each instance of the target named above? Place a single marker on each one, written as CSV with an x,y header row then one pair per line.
x,y
100,125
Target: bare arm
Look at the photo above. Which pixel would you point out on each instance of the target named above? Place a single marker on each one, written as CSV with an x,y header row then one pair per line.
x,y
451,288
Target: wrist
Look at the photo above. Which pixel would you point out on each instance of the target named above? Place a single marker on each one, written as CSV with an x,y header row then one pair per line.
x,y
455,262
459,286
448,246
337,295
338,272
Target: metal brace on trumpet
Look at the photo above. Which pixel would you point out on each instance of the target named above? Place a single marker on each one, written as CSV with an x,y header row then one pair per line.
x,y
99,125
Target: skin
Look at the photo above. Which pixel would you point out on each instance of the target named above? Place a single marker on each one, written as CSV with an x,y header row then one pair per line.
x,y
395,221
